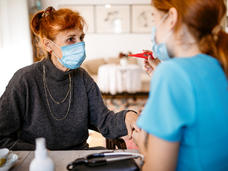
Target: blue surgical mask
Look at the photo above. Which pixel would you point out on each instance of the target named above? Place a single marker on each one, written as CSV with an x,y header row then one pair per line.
x,y
160,51
73,55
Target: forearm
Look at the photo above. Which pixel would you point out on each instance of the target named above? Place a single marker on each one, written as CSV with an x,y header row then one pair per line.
x,y
160,155
112,125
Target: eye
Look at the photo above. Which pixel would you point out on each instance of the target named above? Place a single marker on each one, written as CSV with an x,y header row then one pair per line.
x,y
71,40
82,37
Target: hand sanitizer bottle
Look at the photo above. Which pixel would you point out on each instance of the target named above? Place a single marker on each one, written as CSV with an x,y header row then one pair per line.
x,y
41,162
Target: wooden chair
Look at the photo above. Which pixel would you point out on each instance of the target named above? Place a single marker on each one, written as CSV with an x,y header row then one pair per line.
x,y
117,143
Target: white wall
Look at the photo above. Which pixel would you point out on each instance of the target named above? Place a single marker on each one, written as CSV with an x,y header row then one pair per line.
x,y
108,45
15,42
55,3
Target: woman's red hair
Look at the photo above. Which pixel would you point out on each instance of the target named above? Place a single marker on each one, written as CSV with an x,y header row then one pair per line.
x,y
203,19
48,23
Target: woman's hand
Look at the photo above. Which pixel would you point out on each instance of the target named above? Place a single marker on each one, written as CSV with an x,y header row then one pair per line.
x,y
130,121
140,138
150,64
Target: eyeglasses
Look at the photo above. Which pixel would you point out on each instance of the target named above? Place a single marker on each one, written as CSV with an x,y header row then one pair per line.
x,y
99,159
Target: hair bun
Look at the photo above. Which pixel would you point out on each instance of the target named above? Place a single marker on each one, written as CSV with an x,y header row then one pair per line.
x,y
48,12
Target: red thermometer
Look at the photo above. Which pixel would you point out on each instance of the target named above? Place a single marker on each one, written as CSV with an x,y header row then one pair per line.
x,y
143,55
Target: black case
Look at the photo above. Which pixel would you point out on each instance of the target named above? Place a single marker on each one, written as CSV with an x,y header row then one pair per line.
x,y
122,165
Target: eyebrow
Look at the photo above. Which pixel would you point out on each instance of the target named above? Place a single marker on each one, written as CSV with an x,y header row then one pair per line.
x,y
71,35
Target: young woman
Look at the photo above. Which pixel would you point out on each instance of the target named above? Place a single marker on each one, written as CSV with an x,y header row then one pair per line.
x,y
55,98
185,121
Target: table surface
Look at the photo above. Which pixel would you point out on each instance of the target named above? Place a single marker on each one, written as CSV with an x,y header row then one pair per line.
x,y
60,158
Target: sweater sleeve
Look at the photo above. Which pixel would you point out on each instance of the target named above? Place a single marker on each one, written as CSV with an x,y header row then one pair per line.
x,y
12,108
108,123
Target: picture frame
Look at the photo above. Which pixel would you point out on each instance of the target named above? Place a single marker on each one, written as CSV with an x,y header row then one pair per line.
x,y
87,12
142,19
114,19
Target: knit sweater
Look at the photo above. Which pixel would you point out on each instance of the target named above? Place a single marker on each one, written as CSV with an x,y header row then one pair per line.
x,y
41,101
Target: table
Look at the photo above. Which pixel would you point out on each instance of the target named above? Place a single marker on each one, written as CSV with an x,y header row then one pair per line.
x,y
60,158
119,78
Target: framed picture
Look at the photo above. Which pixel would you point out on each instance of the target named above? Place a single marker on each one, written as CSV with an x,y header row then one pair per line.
x,y
142,18
115,19
87,12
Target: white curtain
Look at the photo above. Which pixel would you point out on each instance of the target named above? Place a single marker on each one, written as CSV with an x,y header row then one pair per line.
x,y
15,41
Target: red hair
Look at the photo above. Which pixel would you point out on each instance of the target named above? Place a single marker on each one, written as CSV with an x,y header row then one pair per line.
x,y
48,23
203,19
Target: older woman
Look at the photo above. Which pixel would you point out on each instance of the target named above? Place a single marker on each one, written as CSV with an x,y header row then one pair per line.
x,y
55,98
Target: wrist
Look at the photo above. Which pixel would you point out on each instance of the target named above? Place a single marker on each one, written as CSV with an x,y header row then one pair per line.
x,y
131,111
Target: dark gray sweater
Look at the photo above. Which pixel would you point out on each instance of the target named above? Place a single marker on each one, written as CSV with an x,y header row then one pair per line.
x,y
25,115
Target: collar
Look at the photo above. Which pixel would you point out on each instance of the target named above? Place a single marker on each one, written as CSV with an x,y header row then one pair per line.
x,y
53,72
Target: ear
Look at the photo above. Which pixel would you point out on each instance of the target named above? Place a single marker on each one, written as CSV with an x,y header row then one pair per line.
x,y
173,18
46,44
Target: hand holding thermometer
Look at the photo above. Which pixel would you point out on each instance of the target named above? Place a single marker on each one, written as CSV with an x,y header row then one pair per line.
x,y
143,55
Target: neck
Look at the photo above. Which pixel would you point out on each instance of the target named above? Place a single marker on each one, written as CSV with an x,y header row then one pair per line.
x,y
184,51
184,44
58,64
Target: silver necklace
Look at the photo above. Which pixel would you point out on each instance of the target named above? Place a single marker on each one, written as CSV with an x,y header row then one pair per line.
x,y
53,99
46,90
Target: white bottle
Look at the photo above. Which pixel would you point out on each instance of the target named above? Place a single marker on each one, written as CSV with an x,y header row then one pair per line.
x,y
41,162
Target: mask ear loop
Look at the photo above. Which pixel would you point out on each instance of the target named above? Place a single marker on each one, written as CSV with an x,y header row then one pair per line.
x,y
52,51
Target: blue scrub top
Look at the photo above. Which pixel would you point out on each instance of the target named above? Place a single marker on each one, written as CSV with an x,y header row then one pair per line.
x,y
188,103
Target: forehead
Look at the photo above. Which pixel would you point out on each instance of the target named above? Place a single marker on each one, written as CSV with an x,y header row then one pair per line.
x,y
69,32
